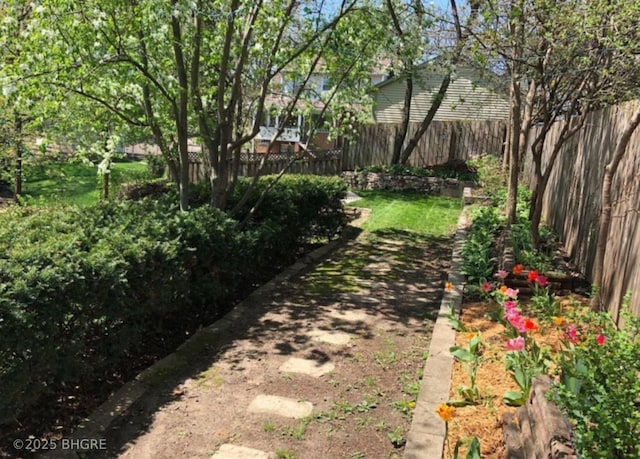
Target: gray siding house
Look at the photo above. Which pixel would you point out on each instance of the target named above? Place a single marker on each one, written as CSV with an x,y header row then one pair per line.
x,y
468,97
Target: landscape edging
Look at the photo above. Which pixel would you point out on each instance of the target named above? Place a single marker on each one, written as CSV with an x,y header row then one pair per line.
x,y
427,435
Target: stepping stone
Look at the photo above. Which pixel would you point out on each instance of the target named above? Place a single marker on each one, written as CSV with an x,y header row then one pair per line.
x,y
349,316
282,406
228,451
307,367
337,338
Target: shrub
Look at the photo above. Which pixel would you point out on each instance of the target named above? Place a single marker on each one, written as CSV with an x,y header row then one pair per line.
x,y
86,291
145,188
297,209
491,175
82,291
599,385
455,169
478,262
156,165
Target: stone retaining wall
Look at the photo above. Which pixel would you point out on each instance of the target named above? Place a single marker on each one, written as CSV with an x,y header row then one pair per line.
x,y
364,180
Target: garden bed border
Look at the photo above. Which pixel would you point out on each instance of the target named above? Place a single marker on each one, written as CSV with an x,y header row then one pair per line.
x,y
427,435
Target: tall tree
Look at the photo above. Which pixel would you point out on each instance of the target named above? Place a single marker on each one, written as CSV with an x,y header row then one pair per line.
x,y
567,70
183,70
414,54
14,106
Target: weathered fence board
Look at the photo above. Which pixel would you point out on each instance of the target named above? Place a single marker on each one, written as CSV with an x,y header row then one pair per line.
x,y
572,203
443,141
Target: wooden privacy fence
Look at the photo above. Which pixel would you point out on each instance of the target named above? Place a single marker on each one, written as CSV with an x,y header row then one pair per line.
x,y
325,162
443,141
572,202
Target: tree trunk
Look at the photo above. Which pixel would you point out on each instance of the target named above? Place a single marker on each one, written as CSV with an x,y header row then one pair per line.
x,y
18,153
181,112
105,186
605,216
514,147
401,132
426,122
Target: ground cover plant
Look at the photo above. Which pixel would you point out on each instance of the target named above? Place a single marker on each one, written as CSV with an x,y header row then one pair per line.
x,y
101,291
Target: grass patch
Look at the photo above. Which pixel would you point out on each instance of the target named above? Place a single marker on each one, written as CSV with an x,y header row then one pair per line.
x,y
414,212
75,183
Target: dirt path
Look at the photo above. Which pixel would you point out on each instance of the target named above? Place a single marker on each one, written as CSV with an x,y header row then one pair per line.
x,y
327,365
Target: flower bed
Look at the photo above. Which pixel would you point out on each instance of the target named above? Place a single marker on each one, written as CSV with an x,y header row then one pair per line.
x,y
505,342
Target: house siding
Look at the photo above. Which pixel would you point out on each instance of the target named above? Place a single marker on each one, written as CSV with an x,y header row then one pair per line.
x,y
464,100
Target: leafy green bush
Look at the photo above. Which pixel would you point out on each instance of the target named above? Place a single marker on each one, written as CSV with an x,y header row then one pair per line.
x,y
297,209
491,175
156,165
478,262
599,385
86,290
457,170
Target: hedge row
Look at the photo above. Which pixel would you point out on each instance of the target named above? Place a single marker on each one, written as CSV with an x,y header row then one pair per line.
x,y
85,291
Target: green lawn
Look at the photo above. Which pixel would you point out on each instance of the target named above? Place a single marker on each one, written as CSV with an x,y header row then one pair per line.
x,y
75,183
414,212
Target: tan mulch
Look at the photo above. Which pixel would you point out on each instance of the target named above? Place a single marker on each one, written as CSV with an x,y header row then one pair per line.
x,y
484,420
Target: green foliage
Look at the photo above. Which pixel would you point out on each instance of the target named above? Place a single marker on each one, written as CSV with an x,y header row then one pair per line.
x,y
478,258
523,249
458,171
397,437
524,366
86,290
156,165
473,449
490,173
470,356
455,322
599,385
477,253
298,208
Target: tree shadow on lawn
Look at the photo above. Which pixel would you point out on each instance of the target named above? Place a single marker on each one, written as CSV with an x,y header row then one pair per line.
x,y
388,282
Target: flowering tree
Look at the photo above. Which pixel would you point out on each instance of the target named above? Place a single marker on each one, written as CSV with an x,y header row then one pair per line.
x,y
182,70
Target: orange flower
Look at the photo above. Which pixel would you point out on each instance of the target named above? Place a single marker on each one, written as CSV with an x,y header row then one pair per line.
x,y
504,289
445,412
517,269
448,286
530,325
471,335
559,321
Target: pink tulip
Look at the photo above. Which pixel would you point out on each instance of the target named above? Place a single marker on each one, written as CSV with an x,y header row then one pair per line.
x,y
512,293
515,344
509,304
515,319
571,334
542,281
